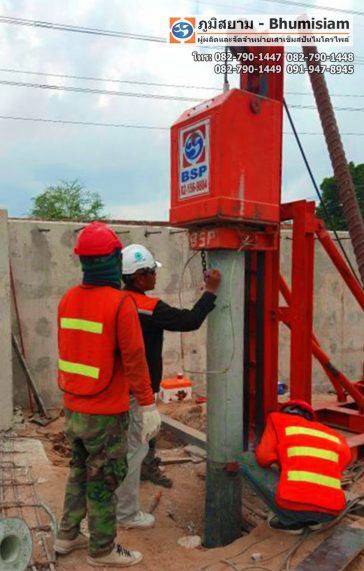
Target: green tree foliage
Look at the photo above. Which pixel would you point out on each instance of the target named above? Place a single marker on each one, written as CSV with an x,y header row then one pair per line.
x,y
68,201
330,196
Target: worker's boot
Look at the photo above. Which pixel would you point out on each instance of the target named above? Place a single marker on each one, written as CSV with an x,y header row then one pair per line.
x,y
292,528
119,557
64,546
152,472
140,520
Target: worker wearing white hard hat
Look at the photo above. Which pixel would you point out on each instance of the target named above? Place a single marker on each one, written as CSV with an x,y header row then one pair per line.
x,y
139,274
137,257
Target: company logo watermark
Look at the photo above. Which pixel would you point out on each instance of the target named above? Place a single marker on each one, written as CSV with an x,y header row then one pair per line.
x,y
182,30
262,30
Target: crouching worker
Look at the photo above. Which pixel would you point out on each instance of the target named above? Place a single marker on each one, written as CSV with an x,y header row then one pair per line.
x,y
101,355
305,489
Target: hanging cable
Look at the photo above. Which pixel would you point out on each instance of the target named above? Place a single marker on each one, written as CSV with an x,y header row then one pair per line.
x,y
327,214
227,367
113,80
79,29
157,84
316,6
99,91
285,564
131,126
70,88
88,123
226,85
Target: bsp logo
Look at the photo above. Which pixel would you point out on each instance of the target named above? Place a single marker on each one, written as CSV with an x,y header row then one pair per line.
x,y
182,30
194,146
194,153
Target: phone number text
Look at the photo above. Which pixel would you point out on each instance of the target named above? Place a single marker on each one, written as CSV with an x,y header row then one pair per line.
x,y
294,68
276,57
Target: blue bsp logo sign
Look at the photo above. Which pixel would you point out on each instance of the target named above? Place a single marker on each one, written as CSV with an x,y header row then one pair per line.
x,y
194,146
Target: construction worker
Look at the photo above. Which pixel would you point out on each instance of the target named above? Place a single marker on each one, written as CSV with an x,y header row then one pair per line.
x,y
305,489
156,316
101,356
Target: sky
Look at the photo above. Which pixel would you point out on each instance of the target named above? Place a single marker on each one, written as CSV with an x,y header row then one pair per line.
x,y
129,166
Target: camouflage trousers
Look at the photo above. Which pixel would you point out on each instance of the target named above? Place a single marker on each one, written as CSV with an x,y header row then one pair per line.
x,y
97,468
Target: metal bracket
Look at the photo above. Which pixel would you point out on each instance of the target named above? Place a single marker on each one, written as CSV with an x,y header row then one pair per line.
x,y
233,238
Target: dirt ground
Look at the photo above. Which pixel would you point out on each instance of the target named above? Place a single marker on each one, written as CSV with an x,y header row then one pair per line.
x,y
180,511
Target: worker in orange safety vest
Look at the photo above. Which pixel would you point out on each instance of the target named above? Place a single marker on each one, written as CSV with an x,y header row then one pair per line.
x,y
305,489
101,358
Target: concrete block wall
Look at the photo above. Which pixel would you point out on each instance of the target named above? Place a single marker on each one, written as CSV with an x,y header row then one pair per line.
x,y
6,375
44,267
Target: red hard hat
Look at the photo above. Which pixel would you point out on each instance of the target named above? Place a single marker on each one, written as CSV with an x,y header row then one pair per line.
x,y
302,404
96,239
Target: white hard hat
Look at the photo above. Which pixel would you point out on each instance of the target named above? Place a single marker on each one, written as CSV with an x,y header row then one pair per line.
x,y
137,257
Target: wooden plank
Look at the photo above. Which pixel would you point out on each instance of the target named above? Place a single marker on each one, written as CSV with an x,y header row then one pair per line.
x,y
185,433
175,460
37,396
336,552
358,509
196,451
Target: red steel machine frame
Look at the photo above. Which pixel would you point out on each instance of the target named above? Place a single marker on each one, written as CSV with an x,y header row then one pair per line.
x,y
265,287
263,313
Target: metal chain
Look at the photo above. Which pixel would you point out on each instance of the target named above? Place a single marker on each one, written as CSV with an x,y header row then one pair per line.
x,y
204,263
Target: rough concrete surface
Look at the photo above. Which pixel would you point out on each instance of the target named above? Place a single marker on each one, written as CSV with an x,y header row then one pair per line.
x,y
6,374
44,267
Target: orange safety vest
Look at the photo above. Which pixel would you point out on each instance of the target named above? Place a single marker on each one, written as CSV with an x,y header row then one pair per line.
x,y
87,339
145,305
312,458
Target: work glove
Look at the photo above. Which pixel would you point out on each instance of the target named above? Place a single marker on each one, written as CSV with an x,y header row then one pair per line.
x,y
151,422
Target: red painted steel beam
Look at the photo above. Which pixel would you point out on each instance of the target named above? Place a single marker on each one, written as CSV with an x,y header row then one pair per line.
x,y
349,386
302,300
343,416
271,331
233,238
252,340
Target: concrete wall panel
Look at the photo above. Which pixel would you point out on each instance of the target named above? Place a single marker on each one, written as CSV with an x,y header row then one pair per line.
x,y
6,375
44,267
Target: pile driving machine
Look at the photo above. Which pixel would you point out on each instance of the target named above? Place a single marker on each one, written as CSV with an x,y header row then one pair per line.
x,y
226,157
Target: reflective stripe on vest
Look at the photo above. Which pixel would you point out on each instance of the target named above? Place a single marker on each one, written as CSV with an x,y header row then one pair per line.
x,y
81,325
292,430
315,452
145,311
79,369
311,477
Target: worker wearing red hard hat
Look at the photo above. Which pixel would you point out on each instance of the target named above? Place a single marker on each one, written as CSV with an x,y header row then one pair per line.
x,y
305,489
101,358
156,316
